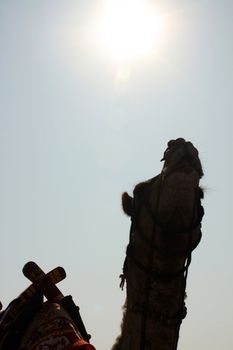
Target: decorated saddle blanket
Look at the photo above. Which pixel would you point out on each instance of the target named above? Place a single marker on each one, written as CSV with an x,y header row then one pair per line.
x,y
53,329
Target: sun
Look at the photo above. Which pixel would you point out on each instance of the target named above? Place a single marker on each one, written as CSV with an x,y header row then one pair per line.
x,y
129,29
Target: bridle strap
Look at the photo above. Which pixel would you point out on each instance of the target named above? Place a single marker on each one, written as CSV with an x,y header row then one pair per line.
x,y
149,268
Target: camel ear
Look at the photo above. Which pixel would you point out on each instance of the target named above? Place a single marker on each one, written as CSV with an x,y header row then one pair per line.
x,y
127,203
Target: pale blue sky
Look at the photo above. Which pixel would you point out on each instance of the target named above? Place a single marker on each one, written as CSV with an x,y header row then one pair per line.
x,y
72,139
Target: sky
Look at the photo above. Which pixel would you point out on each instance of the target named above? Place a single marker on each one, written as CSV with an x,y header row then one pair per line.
x,y
80,123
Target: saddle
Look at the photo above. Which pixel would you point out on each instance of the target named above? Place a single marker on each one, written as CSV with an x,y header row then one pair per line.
x,y
32,323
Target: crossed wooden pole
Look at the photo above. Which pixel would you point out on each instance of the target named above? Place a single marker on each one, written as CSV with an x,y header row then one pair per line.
x,y
45,284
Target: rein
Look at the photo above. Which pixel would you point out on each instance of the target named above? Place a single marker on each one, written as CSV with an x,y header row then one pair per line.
x,y
149,268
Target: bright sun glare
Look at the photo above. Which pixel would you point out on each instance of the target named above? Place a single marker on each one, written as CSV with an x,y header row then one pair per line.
x,y
129,29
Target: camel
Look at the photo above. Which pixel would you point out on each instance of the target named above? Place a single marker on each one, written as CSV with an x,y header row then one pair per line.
x,y
166,214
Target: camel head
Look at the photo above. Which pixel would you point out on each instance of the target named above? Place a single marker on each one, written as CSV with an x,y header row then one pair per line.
x,y
181,154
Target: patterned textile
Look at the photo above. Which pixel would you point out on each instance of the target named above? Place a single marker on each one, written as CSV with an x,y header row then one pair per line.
x,y
53,329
